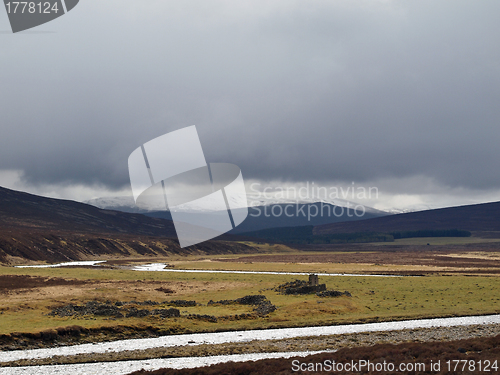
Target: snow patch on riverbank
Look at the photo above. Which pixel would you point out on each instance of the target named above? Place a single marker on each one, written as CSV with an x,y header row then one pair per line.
x,y
243,336
66,264
126,367
162,267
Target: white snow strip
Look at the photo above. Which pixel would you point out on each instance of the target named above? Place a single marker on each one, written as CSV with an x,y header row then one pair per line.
x,y
242,336
126,367
161,267
66,264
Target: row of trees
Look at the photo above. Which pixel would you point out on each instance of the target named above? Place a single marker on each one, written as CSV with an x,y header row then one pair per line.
x,y
304,235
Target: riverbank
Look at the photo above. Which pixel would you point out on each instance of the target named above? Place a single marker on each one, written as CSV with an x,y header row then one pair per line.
x,y
313,338
299,344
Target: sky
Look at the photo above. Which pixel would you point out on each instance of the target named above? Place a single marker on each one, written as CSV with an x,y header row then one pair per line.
x,y
398,95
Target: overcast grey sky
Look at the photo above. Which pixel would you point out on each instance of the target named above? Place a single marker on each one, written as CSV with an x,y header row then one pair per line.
x,y
403,95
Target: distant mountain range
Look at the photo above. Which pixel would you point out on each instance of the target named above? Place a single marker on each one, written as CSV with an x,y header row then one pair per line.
x,y
301,214
267,214
123,203
39,228
481,220
411,208
483,217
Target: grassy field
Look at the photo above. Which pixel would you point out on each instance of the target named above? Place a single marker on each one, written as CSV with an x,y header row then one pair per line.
x,y
339,267
437,241
373,299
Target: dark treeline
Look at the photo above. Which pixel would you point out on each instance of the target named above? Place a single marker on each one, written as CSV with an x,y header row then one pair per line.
x,y
304,235
431,233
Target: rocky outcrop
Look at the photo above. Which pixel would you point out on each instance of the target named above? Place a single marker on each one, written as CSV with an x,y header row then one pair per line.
x,y
117,310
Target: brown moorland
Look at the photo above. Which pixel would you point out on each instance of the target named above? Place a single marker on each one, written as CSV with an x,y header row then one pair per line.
x,y
13,282
480,258
471,353
34,228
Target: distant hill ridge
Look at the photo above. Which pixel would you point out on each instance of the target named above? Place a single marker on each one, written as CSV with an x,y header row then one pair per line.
x,y
292,213
19,209
482,217
37,228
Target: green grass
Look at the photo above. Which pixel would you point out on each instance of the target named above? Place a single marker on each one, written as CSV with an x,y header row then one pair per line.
x,y
373,299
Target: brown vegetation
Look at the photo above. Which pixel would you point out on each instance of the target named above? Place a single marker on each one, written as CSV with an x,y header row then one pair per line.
x,y
13,282
477,349
75,334
34,228
445,259
21,245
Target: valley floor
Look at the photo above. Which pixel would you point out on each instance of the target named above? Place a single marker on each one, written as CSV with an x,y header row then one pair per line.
x,y
435,280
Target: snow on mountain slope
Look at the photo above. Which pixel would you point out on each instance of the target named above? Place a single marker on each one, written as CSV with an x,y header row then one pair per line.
x,y
126,204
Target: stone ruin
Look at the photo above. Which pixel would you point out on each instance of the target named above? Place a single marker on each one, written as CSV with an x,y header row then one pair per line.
x,y
313,280
302,287
309,287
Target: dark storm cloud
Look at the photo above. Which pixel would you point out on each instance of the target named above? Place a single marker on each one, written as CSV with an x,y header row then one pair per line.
x,y
340,90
